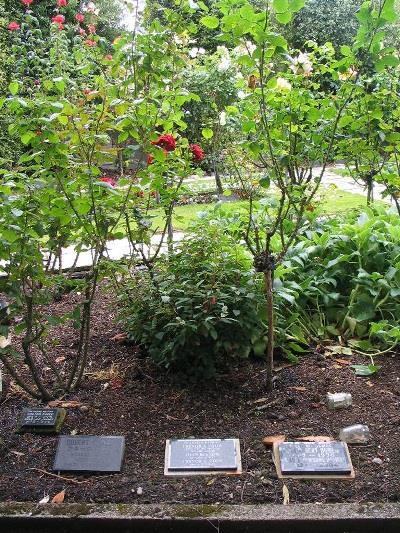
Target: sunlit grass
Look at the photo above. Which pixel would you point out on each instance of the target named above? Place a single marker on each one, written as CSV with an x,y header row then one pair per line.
x,y
333,201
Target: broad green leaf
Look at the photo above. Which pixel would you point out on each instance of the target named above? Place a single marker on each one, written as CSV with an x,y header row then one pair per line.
x,y
62,119
26,137
386,61
13,87
284,18
207,133
210,22
280,6
388,12
365,370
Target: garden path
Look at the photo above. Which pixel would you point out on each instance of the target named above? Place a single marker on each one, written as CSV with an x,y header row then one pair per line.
x,y
331,178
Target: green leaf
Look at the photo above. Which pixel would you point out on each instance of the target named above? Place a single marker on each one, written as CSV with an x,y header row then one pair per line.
x,y
280,6
345,50
388,12
62,119
13,87
26,137
284,18
207,133
210,22
265,182
60,84
365,370
386,61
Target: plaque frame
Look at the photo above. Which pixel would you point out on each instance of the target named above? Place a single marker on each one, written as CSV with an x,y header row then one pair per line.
x,y
318,475
185,473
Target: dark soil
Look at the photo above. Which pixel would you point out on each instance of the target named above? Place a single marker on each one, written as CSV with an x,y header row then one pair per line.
x,y
137,400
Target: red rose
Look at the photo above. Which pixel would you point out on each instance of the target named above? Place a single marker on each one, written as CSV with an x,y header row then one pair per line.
x,y
166,141
13,26
150,159
140,194
197,152
109,179
79,17
91,28
90,43
37,133
61,26
109,57
82,32
27,2
62,3
153,194
58,19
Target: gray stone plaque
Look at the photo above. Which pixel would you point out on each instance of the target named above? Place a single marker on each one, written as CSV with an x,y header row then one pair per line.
x,y
202,455
37,420
330,458
89,454
39,417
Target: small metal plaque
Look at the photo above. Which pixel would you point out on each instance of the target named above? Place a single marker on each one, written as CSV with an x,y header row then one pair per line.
x,y
318,458
39,417
89,454
203,455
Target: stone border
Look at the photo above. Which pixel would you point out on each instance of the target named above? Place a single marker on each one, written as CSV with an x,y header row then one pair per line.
x,y
134,518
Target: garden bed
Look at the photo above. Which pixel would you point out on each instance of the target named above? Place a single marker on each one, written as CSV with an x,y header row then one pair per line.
x,y
125,394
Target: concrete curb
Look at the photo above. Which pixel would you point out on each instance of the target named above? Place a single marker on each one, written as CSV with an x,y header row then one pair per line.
x,y
131,518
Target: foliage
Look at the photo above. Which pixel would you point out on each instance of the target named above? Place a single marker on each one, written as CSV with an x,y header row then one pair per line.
x,y
201,309
290,121
324,21
370,141
184,16
55,194
348,278
213,80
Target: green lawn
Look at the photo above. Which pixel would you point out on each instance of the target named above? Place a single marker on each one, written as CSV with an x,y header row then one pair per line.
x,y
335,201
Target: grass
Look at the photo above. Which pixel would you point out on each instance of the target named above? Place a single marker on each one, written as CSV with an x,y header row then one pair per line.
x,y
335,201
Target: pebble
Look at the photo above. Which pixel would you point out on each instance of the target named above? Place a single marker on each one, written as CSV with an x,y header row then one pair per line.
x,y
377,461
139,491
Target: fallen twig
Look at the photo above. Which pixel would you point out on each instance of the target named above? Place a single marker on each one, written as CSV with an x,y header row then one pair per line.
x,y
71,480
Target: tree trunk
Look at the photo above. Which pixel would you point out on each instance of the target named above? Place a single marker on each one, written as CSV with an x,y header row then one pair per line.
x,y
270,343
218,181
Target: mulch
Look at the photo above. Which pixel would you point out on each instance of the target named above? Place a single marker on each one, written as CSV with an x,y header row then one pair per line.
x,y
126,394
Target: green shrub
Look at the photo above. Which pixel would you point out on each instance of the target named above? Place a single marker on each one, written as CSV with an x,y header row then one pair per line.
x,y
348,276
202,308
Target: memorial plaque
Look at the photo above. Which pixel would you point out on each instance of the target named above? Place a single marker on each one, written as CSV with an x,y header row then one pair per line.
x,y
89,454
203,456
314,458
38,420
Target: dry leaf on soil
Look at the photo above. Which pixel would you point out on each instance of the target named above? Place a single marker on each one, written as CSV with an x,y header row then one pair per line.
x,y
59,498
343,361
119,337
286,496
67,405
272,439
317,438
18,454
282,367
298,389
